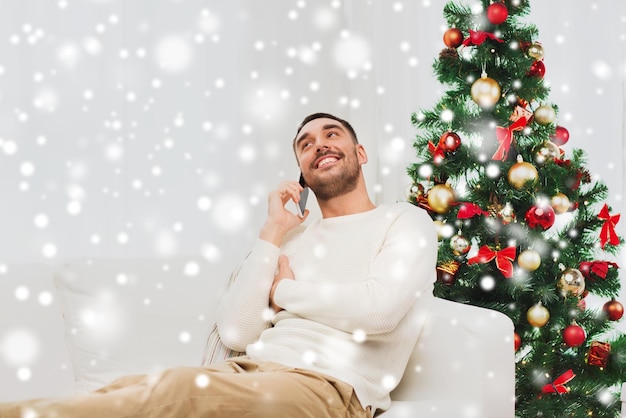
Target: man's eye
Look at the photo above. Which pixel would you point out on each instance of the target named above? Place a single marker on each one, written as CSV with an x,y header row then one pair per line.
x,y
332,134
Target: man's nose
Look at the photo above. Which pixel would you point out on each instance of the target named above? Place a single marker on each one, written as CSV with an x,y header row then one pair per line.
x,y
322,146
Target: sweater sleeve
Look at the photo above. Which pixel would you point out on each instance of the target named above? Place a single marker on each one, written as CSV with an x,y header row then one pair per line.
x,y
243,311
403,269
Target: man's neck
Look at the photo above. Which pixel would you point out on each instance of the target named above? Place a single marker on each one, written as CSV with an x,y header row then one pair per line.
x,y
356,201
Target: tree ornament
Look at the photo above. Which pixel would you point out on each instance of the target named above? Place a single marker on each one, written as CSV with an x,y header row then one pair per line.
x,y
546,152
497,13
538,315
477,37
448,54
560,203
416,191
504,259
440,197
574,335
571,283
468,210
541,216
536,51
529,260
506,138
598,354
459,244
450,141
453,38
558,385
537,69
447,272
517,341
485,92
593,270
560,136
607,233
613,310
506,214
545,115
522,172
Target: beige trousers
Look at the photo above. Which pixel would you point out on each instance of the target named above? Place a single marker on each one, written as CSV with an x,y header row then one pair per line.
x,y
238,388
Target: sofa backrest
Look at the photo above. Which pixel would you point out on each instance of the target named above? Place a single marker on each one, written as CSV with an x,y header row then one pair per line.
x,y
464,354
136,316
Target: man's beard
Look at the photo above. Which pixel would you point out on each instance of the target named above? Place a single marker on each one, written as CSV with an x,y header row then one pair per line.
x,y
339,184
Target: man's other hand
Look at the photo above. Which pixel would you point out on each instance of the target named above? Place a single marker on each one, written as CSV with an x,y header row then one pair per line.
x,y
284,273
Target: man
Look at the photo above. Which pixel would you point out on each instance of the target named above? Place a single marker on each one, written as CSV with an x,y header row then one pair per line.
x,y
327,315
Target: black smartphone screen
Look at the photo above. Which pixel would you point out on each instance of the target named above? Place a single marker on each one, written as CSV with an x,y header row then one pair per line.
x,y
303,197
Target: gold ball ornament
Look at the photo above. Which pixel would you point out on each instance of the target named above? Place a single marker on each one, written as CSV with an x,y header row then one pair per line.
x,y
522,172
560,203
546,152
440,197
536,51
485,92
529,260
571,283
545,115
538,315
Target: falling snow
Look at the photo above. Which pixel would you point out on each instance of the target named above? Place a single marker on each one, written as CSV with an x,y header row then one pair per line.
x,y
158,131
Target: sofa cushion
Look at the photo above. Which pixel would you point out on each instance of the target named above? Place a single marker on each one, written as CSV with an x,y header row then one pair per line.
x,y
34,361
135,316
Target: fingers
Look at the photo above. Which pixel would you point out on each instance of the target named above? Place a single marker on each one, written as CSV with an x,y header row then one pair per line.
x,y
284,270
290,189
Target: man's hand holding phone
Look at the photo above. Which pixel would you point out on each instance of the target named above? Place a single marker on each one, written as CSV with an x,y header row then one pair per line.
x,y
279,219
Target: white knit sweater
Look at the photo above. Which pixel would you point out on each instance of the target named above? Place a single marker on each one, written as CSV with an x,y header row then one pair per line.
x,y
363,284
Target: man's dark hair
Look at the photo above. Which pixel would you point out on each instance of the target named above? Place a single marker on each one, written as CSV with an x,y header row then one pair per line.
x,y
314,116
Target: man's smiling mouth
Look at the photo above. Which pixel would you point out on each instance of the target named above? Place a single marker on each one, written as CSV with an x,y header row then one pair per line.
x,y
326,161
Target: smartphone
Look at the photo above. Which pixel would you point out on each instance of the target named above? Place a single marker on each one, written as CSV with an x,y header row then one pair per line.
x,y
303,197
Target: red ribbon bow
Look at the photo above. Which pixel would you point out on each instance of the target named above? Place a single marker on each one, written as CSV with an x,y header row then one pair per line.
x,y
558,386
505,138
607,233
469,210
478,37
436,151
598,268
504,259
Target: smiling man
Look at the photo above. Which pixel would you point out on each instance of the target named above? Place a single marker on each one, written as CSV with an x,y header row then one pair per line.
x,y
325,315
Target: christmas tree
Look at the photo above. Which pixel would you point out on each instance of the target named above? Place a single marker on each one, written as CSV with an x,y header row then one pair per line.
x,y
523,228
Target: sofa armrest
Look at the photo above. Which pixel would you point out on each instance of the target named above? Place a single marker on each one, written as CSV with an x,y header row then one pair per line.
x,y
465,354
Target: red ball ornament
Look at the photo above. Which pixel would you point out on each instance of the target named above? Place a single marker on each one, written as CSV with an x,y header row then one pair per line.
x,y
560,136
540,216
537,69
453,38
518,340
450,141
574,335
497,13
613,310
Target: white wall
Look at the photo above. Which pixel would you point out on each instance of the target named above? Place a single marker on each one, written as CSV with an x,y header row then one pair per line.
x,y
135,128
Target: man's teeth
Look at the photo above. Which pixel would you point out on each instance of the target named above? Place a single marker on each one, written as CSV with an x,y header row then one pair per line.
x,y
326,161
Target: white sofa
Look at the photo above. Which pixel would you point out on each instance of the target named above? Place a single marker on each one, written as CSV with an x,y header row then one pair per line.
x,y
73,326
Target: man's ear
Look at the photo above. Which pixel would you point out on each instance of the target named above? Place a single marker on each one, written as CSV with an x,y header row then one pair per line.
x,y
361,154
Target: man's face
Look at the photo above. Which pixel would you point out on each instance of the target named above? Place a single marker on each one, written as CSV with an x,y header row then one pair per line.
x,y
329,158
